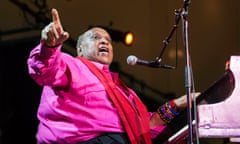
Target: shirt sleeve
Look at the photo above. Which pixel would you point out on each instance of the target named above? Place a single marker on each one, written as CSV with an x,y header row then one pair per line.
x,y
155,131
46,66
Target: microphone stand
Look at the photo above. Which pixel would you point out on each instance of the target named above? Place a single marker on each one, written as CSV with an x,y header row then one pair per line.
x,y
188,82
182,14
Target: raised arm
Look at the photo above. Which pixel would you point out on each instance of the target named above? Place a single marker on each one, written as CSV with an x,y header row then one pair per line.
x,y
45,64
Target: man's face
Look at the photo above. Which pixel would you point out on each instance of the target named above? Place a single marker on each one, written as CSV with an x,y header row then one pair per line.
x,y
97,46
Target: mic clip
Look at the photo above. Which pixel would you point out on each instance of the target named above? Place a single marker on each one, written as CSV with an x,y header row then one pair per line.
x,y
157,64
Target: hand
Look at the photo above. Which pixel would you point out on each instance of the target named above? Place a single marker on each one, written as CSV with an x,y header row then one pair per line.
x,y
53,34
181,102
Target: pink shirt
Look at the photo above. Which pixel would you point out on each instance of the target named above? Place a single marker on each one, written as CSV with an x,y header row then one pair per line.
x,y
74,105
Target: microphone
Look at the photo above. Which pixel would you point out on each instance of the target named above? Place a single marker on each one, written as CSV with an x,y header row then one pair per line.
x,y
133,60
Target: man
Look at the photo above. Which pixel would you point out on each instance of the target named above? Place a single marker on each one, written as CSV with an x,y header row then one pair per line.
x,y
82,101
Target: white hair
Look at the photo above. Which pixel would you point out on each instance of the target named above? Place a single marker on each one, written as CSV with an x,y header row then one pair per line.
x,y
81,37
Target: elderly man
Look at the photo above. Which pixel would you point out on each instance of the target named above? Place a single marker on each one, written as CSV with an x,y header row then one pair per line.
x,y
82,101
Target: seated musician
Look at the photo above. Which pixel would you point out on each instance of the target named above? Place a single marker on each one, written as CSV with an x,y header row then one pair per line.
x,y
82,101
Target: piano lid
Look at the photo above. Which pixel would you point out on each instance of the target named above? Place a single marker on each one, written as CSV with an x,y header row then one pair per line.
x,y
222,119
217,110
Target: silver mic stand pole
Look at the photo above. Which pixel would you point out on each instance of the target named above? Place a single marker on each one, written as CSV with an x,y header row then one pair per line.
x,y
188,82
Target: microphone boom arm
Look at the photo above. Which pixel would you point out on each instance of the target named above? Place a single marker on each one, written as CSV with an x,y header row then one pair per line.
x,y
168,39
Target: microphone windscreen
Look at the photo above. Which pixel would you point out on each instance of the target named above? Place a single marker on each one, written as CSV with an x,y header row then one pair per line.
x,y
132,60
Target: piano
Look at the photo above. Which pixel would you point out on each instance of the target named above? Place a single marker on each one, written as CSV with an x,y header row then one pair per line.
x,y
216,112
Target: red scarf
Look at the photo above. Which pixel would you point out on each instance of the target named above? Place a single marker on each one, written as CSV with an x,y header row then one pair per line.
x,y
134,116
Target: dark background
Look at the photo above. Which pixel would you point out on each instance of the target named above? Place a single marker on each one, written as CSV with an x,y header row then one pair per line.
x,y
19,93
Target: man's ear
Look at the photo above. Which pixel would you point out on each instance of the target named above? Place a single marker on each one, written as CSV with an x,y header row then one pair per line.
x,y
79,51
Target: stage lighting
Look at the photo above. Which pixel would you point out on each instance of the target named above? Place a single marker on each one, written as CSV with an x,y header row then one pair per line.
x,y
127,38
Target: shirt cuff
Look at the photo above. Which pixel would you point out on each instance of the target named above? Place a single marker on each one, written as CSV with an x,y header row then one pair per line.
x,y
46,51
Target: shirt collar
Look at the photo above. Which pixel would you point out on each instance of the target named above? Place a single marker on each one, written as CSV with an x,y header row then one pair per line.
x,y
106,68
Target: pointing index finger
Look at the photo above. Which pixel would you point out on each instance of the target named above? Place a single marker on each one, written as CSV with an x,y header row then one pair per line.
x,y
55,17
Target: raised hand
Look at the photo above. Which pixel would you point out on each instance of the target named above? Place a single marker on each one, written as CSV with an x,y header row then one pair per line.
x,y
53,34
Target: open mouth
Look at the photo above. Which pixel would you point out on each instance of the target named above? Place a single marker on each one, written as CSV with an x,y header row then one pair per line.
x,y
103,50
